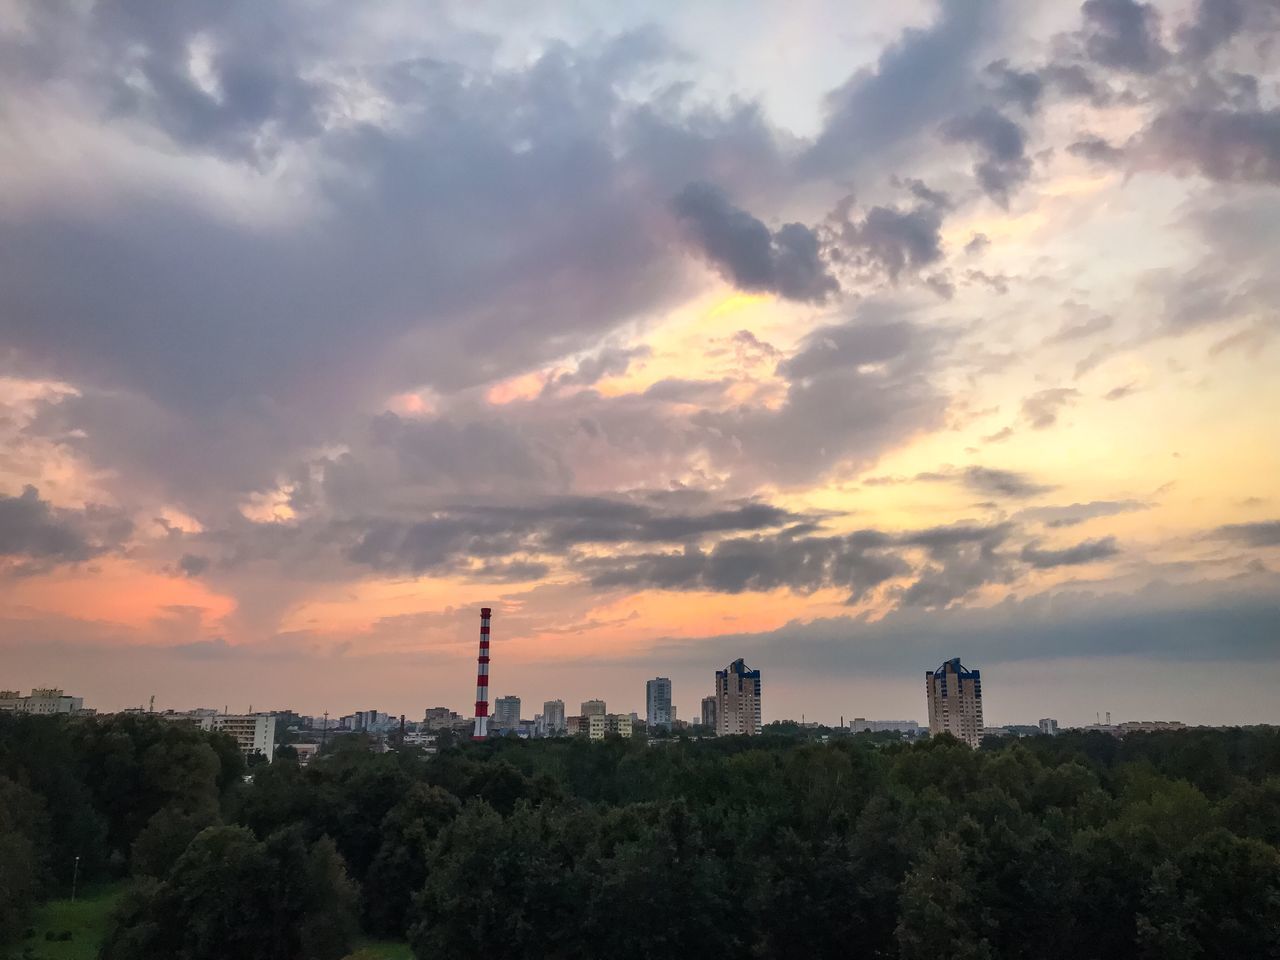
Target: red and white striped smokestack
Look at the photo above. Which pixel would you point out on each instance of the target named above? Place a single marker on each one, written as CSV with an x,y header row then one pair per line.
x,y
481,731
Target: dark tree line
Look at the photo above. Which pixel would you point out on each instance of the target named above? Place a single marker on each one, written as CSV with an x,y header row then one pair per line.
x,y
1080,846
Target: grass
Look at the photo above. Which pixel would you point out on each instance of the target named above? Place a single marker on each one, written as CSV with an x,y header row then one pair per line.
x,y
380,950
85,920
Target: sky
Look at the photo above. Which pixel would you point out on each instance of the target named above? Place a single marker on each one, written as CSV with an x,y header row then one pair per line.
x,y
844,338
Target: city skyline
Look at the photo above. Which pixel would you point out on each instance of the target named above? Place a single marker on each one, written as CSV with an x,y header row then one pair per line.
x,y
842,344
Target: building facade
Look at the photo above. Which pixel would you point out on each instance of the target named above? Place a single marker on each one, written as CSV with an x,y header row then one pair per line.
x,y
593,708
506,713
252,732
657,698
709,714
45,701
737,700
553,723
1049,727
955,701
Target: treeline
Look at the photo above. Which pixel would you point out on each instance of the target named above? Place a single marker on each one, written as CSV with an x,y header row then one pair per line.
x,y
1079,846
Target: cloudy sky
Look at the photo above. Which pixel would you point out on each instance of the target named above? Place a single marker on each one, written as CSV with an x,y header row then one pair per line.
x,y
841,337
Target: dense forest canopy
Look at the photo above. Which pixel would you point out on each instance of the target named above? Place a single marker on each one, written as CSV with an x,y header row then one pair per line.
x,y
1077,846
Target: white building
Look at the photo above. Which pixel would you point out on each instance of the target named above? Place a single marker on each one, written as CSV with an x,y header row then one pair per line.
x,y
45,701
737,700
252,732
1049,726
955,701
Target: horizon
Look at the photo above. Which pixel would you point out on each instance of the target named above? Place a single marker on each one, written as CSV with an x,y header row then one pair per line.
x,y
841,343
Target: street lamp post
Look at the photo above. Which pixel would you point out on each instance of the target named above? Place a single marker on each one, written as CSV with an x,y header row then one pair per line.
x,y
75,876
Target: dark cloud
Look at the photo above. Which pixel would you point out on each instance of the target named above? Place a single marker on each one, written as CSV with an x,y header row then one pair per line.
x,y
914,84
787,262
1076,513
609,362
1018,87
193,565
1224,145
1264,533
893,241
455,534
1214,23
36,535
1087,551
849,346
1004,166
1041,408
1004,483
1096,150
961,559
1123,35
977,243
1073,80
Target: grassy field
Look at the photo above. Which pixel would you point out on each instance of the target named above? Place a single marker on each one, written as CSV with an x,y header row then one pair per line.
x,y
381,950
85,920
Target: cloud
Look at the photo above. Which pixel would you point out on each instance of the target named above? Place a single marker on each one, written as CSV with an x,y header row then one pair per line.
x,y
1120,392
1264,533
913,85
32,529
192,565
1079,329
1041,409
1086,551
787,262
1002,142
1096,150
894,241
1021,88
1215,23
1005,483
1077,513
1123,35
608,362
1223,145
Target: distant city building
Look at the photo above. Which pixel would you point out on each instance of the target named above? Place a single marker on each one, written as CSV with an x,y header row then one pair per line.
x,y
657,697
597,724
1049,727
506,713
43,700
955,701
577,726
622,724
709,713
553,722
593,708
862,725
1149,726
441,718
737,700
252,732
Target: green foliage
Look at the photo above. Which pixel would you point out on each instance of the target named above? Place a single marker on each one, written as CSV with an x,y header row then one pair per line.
x,y
230,895
1053,848
71,930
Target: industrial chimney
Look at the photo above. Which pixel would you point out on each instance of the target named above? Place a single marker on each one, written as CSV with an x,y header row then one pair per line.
x,y
481,731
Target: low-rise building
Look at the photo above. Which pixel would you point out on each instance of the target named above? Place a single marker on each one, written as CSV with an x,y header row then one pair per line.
x,y
45,701
862,725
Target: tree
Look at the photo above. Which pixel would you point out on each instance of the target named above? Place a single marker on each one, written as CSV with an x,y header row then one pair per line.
x,y
399,868
230,895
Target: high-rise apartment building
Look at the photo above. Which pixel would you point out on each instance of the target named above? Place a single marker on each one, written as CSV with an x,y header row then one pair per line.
x,y
506,713
593,708
955,701
553,717
737,700
709,713
1049,726
657,697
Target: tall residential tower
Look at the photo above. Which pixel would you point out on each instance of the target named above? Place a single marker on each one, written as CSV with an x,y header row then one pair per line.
x,y
737,700
657,696
955,701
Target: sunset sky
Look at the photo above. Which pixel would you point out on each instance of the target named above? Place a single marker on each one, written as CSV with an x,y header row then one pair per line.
x,y
842,337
